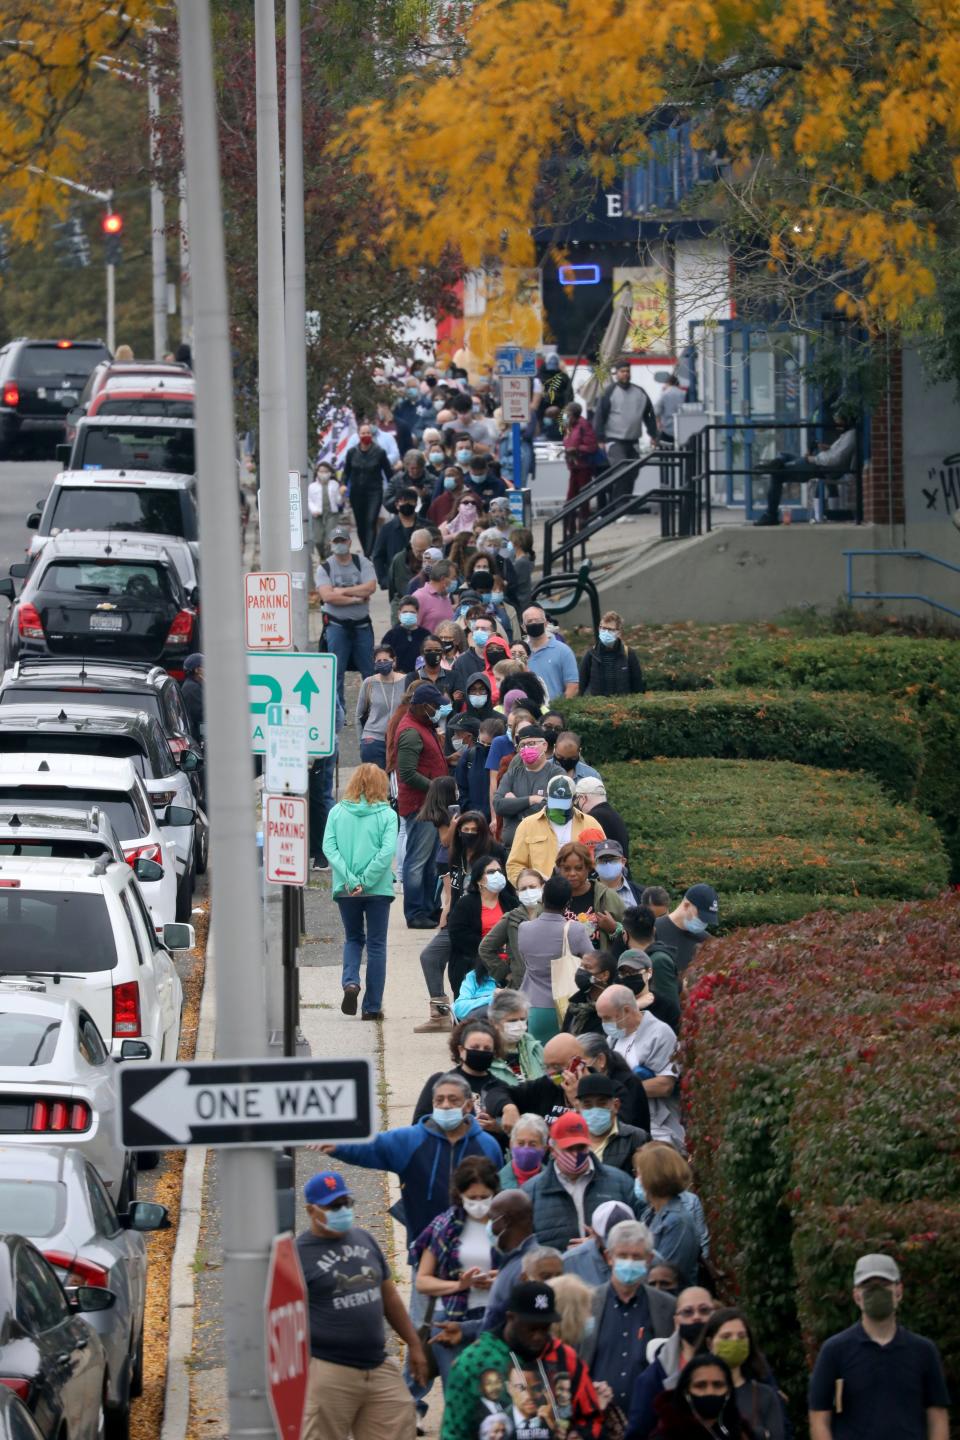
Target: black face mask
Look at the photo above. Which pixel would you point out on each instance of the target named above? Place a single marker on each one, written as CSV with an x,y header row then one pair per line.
x,y
636,983
708,1407
582,978
477,1059
689,1330
431,657
406,509
568,762
482,581
535,629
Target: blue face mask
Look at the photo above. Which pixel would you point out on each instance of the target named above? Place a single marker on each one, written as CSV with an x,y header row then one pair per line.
x,y
443,711
448,1119
463,611
480,638
464,456
612,1030
413,392
490,1235
449,482
630,1272
408,620
437,457
608,637
597,1120
453,587
487,597
609,869
477,701
339,1220
507,551
639,1191
695,925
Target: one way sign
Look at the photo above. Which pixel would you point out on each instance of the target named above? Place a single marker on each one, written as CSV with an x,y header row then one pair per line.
x,y
245,1102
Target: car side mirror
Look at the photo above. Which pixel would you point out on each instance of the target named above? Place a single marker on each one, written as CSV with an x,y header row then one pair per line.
x,y
33,520
88,1299
179,937
134,1050
8,590
189,761
145,1215
63,454
20,569
177,815
147,870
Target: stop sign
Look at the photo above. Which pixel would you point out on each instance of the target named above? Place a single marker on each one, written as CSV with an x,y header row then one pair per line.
x,y
288,1338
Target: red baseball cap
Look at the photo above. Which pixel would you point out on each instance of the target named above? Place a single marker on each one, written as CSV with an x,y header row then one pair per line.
x,y
569,1130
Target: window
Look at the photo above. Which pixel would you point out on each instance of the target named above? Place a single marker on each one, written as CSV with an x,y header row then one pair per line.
x,y
53,363
32,1207
134,447
143,950
140,906
46,742
41,1303
92,1047
175,711
112,507
149,405
137,583
27,1039
102,1207
124,810
78,694
56,932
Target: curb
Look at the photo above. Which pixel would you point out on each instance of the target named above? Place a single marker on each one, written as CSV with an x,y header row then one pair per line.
x,y
176,1392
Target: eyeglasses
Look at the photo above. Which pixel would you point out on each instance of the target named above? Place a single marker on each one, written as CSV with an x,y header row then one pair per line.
x,y
695,1312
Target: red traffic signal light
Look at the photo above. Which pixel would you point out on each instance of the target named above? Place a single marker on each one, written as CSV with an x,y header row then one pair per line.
x,y
112,224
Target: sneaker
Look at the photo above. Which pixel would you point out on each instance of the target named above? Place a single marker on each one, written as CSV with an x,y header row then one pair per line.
x,y
372,1015
767,519
320,863
349,1002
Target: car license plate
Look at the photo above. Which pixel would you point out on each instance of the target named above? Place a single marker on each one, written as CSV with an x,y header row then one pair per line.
x,y
71,395
106,622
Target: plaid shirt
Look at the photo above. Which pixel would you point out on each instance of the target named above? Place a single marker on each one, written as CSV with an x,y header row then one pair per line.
x,y
442,1239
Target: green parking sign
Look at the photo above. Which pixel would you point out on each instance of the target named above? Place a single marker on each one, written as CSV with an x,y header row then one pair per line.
x,y
307,679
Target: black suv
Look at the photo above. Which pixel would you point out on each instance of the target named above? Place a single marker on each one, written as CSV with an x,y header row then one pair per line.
x,y
40,381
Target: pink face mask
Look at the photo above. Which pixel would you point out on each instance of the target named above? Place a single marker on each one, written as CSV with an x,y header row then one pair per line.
x,y
529,754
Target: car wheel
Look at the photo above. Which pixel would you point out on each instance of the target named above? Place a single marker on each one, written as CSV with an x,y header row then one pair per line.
x,y
185,894
136,1374
201,846
128,1186
148,1159
117,1417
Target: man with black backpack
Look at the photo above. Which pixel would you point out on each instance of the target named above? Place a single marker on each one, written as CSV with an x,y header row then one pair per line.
x,y
345,584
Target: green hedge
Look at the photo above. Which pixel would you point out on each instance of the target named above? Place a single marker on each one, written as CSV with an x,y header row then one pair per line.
x,y
776,839
922,673
842,732
823,1110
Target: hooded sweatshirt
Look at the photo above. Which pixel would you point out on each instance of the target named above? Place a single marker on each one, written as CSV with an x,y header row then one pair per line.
x,y
500,651
484,712
424,1159
363,842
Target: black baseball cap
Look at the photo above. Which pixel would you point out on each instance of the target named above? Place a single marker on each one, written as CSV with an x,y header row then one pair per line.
x,y
465,722
705,899
607,847
427,694
532,1300
530,732
596,1085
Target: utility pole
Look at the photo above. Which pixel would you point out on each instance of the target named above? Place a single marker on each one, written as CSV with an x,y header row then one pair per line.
x,y
158,224
247,1197
295,313
186,285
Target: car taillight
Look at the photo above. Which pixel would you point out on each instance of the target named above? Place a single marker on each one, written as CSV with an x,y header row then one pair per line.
x,y
19,1387
133,853
57,1117
160,798
11,395
74,1271
182,628
126,1010
29,623
178,743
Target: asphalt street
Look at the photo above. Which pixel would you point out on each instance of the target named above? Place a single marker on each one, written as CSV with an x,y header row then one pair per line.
x,y
22,484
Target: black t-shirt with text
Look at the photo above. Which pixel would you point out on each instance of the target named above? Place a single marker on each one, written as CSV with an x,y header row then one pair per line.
x,y
344,1278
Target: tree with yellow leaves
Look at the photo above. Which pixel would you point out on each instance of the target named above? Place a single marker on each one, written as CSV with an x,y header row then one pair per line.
x,y
49,51
840,120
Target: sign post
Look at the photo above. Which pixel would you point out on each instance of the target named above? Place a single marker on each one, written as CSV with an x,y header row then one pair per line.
x,y
308,680
287,1337
285,842
515,367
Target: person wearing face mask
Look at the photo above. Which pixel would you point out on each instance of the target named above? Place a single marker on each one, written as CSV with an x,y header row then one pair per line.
x,y
520,1058
448,494
394,536
728,1335
695,1306
380,695
521,1370
520,713
878,1378
434,596
544,942
538,838
408,637
480,700
367,470
550,657
473,1048
499,950
522,792
353,1388
591,901
611,1140
595,972
639,924
566,752
580,448
420,759
345,584
591,797
649,1048
325,500
488,895
628,1313
610,667
464,516
406,567
572,1184
455,1256
469,771
702,1401
685,928
528,1150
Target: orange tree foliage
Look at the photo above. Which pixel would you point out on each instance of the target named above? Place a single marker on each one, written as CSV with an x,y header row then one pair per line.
x,y
49,51
841,118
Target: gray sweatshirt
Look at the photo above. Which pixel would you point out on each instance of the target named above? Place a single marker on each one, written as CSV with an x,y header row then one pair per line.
x,y
375,704
523,783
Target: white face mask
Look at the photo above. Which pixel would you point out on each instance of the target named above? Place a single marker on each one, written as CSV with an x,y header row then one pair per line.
x,y
477,1209
514,1029
530,895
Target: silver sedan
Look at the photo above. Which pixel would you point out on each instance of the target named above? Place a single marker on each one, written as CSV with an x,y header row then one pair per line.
x,y
54,1196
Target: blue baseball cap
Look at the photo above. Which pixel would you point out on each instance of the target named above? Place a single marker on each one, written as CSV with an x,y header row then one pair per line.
x,y
324,1188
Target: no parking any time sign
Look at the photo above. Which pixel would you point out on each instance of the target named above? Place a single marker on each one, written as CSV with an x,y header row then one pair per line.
x,y
269,618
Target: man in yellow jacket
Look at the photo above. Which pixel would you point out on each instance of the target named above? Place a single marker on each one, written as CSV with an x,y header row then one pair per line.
x,y
539,837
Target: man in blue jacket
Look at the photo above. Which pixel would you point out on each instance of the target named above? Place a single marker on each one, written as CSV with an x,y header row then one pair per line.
x,y
424,1156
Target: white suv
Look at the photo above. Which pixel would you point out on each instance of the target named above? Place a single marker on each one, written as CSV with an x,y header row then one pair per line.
x,y
83,929
76,782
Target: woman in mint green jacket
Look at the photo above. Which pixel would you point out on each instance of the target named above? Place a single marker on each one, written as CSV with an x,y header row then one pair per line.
x,y
360,841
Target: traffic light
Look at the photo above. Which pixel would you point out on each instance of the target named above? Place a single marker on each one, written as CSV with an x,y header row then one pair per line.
x,y
112,227
72,245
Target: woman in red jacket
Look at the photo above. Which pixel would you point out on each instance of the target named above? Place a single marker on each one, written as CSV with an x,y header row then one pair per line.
x,y
580,445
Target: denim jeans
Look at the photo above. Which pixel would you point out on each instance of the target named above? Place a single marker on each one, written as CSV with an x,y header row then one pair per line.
x,y
374,752
419,871
321,778
351,644
374,912
417,1310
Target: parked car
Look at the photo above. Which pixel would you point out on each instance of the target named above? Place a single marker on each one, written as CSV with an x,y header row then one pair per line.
x,y
127,442
124,685
54,1196
132,501
146,395
84,928
76,730
49,1357
42,832
16,1422
79,781
40,381
123,371
182,553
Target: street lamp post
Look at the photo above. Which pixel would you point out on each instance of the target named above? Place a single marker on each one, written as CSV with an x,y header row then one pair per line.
x,y
295,307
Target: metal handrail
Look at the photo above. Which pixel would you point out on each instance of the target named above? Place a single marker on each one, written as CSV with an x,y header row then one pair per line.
x,y
850,555
705,469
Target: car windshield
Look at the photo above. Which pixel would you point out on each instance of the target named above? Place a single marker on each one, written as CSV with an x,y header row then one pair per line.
x,y
57,362
58,849
34,1208
135,447
114,747
55,932
139,582
117,806
73,695
115,507
147,405
27,1039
